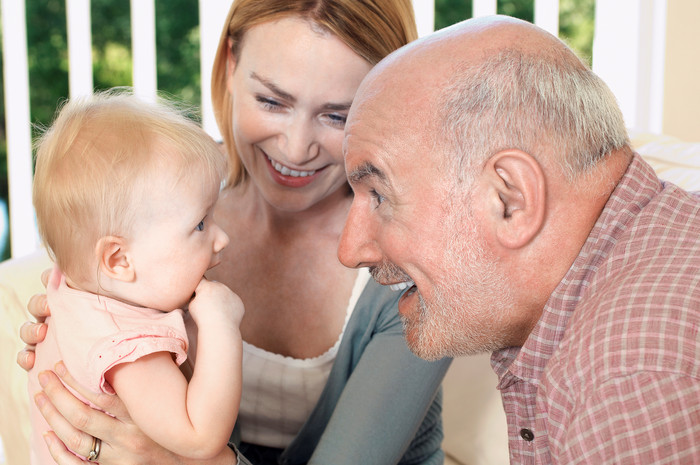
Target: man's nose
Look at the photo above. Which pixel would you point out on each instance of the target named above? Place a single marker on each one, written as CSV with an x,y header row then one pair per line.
x,y
358,247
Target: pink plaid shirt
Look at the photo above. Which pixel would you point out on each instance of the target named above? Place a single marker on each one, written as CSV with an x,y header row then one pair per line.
x,y
611,372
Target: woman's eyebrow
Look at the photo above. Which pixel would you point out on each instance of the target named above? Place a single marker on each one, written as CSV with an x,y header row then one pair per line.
x,y
273,87
342,106
337,106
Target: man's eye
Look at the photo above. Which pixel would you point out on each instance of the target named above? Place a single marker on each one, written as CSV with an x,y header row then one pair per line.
x,y
200,226
378,198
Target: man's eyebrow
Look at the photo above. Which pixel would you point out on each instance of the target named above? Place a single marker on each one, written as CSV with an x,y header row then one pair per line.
x,y
273,87
364,171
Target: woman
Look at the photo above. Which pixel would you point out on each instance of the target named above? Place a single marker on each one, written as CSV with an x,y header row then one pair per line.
x,y
327,376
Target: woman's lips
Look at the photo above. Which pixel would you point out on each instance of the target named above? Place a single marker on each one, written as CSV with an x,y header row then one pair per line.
x,y
288,177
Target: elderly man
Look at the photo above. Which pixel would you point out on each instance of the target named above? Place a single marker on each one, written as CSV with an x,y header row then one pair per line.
x,y
494,181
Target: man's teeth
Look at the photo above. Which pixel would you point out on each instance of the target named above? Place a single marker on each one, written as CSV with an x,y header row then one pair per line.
x,y
287,172
400,286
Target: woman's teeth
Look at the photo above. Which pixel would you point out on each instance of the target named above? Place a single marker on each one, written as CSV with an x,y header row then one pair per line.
x,y
400,286
287,172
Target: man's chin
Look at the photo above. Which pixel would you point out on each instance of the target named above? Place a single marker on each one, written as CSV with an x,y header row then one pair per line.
x,y
426,348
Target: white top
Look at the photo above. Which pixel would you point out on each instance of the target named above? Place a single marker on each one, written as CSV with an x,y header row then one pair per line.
x,y
279,392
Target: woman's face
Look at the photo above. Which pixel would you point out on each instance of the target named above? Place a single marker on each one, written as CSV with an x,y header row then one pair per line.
x,y
292,88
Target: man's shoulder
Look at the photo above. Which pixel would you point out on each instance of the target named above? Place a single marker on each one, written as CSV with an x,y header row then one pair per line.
x,y
652,267
624,334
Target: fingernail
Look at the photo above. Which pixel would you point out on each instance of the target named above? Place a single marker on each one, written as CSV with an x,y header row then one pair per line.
x,y
43,379
39,399
60,369
47,439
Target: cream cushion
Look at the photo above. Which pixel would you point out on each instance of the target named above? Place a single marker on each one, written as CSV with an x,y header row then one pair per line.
x,y
475,425
19,280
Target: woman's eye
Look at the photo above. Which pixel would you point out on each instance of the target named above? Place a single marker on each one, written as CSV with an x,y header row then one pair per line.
x,y
337,120
268,103
200,226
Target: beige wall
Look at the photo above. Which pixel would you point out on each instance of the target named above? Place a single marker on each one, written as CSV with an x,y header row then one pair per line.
x,y
681,116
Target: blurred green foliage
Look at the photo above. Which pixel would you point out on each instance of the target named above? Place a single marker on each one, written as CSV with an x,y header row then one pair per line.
x,y
576,18
177,45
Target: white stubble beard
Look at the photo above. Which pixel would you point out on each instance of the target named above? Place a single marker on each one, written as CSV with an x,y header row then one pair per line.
x,y
466,314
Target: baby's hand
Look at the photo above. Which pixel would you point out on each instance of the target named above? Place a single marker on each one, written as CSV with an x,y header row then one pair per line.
x,y
215,303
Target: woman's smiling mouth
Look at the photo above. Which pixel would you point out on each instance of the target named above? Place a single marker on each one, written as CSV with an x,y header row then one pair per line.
x,y
280,168
287,177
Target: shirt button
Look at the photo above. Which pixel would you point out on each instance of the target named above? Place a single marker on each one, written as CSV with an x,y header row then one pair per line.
x,y
527,435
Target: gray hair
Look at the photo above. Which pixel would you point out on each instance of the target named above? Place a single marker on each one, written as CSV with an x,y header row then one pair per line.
x,y
551,106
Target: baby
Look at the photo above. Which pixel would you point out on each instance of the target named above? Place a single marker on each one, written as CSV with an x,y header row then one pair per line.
x,y
124,193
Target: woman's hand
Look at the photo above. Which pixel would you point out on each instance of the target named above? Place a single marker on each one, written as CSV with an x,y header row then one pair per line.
x,y
74,424
33,333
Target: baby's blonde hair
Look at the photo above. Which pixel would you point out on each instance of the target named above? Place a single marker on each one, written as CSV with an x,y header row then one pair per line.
x,y
95,162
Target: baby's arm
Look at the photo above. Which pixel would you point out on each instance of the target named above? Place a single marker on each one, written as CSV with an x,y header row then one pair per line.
x,y
195,419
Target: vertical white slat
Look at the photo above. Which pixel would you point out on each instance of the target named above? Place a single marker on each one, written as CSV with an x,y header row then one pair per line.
x,y
629,53
143,48
483,8
212,14
425,16
17,127
79,47
657,65
547,15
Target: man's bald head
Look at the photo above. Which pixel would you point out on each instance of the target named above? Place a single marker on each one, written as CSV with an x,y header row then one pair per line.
x,y
497,82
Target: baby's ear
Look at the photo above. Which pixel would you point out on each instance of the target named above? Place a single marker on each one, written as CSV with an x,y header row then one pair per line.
x,y
114,259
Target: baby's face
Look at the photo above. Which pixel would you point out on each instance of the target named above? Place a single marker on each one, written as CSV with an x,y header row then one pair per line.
x,y
175,239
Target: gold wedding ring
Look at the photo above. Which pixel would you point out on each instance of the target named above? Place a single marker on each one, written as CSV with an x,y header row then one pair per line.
x,y
95,451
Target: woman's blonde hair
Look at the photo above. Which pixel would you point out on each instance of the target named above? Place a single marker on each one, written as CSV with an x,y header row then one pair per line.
x,y
371,28
95,162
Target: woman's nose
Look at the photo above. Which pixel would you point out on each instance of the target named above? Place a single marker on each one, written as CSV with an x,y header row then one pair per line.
x,y
301,142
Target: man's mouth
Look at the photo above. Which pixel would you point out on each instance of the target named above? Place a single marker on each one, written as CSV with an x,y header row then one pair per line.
x,y
401,286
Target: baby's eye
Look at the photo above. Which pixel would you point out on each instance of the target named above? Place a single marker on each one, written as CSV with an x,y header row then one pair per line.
x,y
200,226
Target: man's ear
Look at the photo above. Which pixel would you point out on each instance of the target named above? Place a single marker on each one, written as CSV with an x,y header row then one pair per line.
x,y
114,259
518,182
